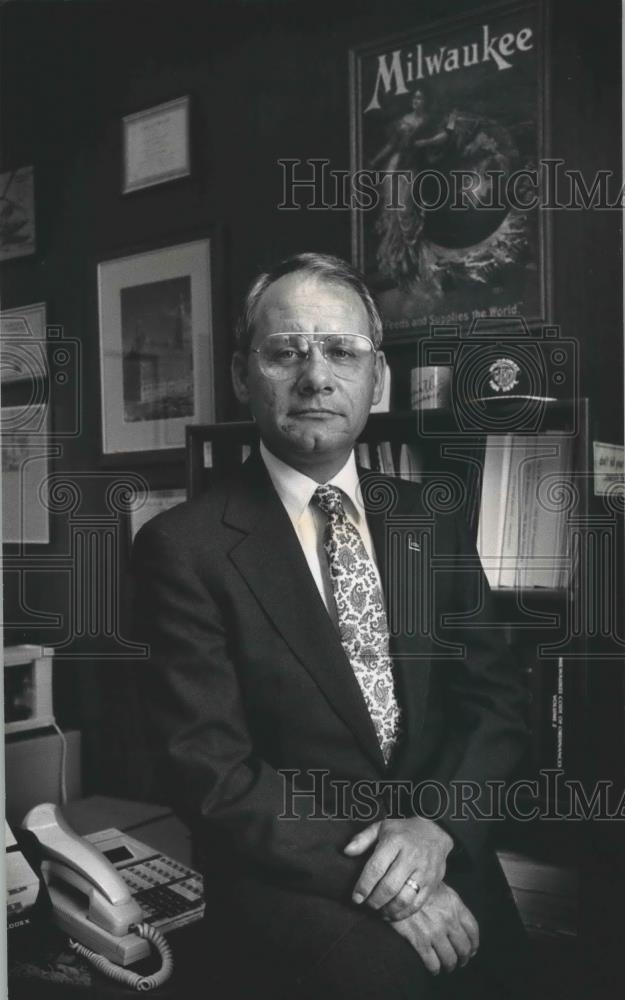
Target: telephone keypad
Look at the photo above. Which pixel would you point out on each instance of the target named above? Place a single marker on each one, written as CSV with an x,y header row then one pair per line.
x,y
163,888
169,893
162,902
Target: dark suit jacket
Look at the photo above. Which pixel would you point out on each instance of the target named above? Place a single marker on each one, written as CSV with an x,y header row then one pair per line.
x,y
247,677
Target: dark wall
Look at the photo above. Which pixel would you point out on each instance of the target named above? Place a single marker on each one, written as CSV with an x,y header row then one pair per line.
x,y
267,80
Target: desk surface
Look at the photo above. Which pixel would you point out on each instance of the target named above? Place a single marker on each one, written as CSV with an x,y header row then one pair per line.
x,y
100,811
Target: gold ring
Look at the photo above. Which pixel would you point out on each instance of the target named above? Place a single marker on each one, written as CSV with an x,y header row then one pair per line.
x,y
412,882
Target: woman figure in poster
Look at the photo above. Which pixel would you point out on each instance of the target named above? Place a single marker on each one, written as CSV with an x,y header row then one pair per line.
x,y
415,143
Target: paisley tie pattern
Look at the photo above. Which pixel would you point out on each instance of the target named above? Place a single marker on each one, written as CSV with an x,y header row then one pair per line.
x,y
361,615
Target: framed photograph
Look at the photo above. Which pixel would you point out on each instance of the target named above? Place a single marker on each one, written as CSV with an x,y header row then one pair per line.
x,y
447,136
156,145
17,213
148,503
26,452
156,319
23,340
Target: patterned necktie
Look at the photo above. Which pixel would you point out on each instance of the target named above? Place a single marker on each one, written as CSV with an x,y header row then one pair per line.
x,y
361,615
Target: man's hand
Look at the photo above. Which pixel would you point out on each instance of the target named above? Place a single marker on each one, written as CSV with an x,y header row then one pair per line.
x,y
414,849
444,932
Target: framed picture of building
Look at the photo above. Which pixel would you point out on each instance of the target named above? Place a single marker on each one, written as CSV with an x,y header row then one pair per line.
x,y
156,323
448,139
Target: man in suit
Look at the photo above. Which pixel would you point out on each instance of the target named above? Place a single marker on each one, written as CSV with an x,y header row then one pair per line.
x,y
291,697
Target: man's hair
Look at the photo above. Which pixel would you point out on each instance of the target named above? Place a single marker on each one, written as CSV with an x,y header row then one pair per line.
x,y
318,265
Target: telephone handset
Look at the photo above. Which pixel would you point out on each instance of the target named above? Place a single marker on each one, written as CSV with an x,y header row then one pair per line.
x,y
93,901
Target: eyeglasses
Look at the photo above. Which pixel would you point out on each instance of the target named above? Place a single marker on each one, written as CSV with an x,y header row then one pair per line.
x,y
284,355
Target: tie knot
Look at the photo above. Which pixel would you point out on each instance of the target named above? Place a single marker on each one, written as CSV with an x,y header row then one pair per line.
x,y
330,500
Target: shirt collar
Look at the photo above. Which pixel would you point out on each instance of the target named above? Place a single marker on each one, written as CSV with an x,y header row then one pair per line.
x,y
296,489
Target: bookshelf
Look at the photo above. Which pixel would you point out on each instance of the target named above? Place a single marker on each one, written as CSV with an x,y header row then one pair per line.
x,y
446,446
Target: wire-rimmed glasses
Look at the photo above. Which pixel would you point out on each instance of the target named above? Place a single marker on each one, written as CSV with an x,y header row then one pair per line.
x,y
284,355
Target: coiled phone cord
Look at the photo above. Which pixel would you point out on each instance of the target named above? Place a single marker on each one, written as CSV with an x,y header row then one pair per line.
x,y
132,979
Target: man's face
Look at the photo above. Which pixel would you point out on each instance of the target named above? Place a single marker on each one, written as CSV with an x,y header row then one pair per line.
x,y
312,419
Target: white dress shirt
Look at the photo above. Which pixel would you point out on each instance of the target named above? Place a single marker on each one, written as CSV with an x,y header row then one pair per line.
x,y
295,491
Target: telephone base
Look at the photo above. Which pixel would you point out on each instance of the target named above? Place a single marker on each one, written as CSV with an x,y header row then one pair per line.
x,y
125,950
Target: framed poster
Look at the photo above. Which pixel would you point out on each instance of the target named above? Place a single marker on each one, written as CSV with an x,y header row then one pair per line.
x,y
23,343
26,451
447,135
156,145
156,320
17,213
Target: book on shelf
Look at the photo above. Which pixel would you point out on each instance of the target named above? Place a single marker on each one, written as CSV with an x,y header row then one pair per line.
x,y
362,455
410,464
520,448
545,546
491,522
382,455
549,698
522,538
403,460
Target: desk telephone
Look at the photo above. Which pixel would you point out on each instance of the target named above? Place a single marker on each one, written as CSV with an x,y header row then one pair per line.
x,y
114,894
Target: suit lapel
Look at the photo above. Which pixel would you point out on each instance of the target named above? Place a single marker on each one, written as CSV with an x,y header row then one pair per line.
x,y
402,548
270,558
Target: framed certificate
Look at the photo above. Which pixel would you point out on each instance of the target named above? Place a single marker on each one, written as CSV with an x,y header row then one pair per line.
x,y
156,145
26,453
